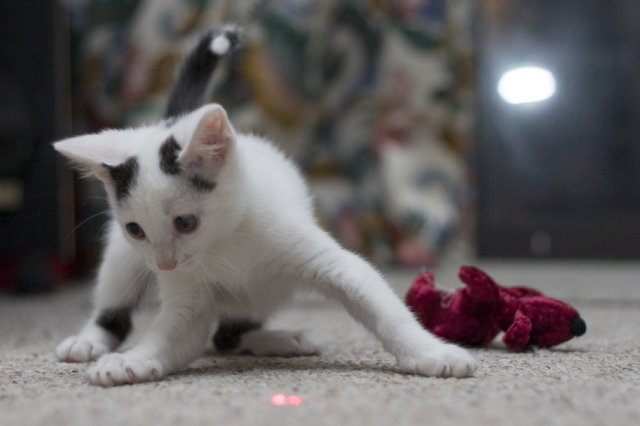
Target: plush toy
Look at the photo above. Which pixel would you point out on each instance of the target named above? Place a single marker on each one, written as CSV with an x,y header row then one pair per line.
x,y
476,313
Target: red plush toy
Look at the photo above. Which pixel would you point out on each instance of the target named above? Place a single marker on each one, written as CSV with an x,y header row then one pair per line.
x,y
475,314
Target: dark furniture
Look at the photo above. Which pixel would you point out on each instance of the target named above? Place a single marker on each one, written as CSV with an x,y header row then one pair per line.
x,y
36,200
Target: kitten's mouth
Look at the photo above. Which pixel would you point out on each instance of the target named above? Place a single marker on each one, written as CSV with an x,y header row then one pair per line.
x,y
167,266
164,266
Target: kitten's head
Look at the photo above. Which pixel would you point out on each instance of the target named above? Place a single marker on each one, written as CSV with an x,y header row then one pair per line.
x,y
175,188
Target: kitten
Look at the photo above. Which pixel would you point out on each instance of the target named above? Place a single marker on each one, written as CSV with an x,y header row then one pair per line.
x,y
225,223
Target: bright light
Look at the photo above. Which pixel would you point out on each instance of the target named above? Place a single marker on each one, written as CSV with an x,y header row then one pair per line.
x,y
280,400
526,84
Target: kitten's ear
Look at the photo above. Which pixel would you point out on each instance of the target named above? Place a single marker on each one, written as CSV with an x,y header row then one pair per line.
x,y
91,153
207,152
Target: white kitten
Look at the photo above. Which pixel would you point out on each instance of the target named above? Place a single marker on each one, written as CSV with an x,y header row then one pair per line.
x,y
226,224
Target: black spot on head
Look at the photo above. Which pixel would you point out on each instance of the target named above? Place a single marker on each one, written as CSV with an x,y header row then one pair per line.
x,y
116,321
169,157
227,338
124,176
201,184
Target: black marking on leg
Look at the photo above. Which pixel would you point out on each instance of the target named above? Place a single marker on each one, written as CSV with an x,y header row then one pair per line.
x,y
201,184
169,157
227,338
116,321
124,176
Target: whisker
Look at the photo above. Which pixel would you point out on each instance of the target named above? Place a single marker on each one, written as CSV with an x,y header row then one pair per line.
x,y
204,283
223,291
131,286
84,222
228,291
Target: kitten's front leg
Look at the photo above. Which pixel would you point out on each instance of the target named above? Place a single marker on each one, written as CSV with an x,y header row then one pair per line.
x,y
121,281
367,297
176,338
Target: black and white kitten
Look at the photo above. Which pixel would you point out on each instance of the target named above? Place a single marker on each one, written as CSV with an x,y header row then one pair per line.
x,y
225,223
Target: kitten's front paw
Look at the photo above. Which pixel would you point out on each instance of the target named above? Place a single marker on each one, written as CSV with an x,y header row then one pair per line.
x,y
80,349
444,360
120,369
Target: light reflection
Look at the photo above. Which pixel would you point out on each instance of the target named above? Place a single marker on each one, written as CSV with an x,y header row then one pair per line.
x,y
526,84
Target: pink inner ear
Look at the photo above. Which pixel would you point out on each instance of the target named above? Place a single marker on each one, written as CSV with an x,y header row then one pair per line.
x,y
213,129
214,135
207,152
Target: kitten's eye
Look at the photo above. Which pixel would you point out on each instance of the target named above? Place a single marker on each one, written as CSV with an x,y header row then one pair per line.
x,y
185,224
135,230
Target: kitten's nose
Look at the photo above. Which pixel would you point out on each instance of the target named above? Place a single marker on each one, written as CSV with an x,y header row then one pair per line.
x,y
167,266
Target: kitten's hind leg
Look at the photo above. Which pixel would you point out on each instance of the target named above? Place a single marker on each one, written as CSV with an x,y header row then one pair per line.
x,y
121,281
246,337
228,336
368,298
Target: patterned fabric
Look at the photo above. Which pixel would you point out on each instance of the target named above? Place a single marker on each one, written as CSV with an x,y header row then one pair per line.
x,y
371,98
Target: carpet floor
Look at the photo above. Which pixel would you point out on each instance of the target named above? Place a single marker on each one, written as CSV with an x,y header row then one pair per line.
x,y
592,380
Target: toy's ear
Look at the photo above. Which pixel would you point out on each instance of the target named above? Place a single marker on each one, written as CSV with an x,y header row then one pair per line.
x,y
90,154
480,286
422,298
426,279
518,334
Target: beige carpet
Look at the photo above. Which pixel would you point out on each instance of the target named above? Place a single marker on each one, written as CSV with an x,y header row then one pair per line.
x,y
593,380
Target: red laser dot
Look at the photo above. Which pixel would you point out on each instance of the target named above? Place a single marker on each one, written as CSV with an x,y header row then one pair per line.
x,y
295,400
280,400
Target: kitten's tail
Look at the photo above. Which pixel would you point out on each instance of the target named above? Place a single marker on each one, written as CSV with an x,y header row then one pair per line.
x,y
189,90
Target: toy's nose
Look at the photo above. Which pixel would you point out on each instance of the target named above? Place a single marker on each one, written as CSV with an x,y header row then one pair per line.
x,y
578,326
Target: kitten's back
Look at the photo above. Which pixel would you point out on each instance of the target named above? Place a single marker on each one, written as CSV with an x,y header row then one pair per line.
x,y
274,180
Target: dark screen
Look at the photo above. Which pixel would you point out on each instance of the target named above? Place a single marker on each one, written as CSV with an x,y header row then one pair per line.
x,y
560,177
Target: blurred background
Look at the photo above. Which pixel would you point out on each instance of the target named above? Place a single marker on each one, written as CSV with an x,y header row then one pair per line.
x,y
494,128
